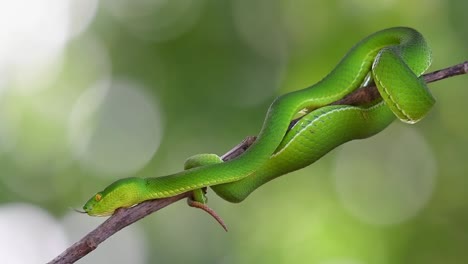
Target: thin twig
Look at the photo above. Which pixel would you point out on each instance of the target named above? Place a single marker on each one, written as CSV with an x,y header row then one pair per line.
x,y
126,216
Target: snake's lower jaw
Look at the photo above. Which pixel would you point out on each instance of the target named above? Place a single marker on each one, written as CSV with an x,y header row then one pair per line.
x,y
102,215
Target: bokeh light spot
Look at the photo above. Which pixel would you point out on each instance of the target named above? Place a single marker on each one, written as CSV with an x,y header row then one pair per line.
x,y
33,35
29,235
115,128
126,246
82,13
386,179
158,20
258,24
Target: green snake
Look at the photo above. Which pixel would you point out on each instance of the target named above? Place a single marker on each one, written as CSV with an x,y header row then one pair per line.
x,y
392,58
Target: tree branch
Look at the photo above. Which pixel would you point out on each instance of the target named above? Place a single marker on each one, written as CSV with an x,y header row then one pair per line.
x,y
370,93
126,216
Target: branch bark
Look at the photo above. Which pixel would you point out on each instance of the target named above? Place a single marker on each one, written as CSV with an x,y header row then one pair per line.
x,y
126,216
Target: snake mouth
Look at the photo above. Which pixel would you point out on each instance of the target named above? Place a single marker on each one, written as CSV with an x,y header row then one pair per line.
x,y
88,212
78,210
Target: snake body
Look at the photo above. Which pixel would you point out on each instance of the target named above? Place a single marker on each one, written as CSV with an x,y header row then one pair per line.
x,y
393,58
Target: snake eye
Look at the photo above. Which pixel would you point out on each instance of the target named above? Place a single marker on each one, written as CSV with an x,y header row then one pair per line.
x,y
98,197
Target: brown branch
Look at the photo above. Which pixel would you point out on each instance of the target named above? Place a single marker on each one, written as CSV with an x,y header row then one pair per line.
x,y
120,219
126,216
370,93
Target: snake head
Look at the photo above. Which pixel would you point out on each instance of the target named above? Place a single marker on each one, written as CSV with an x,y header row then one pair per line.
x,y
122,193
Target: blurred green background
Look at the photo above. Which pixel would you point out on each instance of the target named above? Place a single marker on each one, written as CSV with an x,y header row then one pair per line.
x,y
92,91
